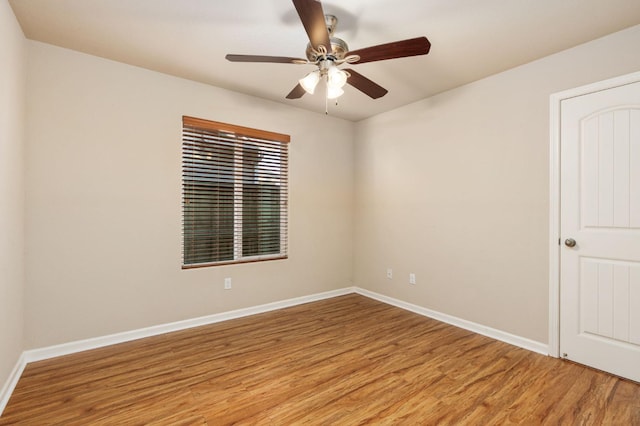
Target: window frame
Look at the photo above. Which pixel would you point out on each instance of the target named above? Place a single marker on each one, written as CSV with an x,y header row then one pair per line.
x,y
239,135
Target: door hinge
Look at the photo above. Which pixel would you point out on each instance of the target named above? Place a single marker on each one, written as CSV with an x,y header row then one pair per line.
x,y
558,241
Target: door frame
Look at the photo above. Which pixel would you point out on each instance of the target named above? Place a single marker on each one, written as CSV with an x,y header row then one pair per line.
x,y
554,195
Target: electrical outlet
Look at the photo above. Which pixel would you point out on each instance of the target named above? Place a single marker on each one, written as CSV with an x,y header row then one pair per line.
x,y
389,273
227,283
412,278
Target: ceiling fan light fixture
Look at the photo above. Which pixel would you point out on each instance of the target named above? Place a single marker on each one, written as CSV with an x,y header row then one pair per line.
x,y
310,81
336,78
328,52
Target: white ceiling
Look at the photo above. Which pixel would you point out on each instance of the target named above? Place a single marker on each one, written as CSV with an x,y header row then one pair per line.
x,y
471,39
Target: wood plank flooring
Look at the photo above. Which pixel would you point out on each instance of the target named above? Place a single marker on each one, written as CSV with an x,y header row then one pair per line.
x,y
347,360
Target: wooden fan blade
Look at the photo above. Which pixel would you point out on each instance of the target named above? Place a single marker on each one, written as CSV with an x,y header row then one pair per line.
x,y
271,59
312,17
297,92
397,49
365,85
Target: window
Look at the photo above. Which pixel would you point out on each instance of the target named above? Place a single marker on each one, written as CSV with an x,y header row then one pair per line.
x,y
234,194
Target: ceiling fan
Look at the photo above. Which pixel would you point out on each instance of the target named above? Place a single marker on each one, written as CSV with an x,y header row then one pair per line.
x,y
328,52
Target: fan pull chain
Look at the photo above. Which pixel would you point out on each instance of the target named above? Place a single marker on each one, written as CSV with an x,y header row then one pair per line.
x,y
326,100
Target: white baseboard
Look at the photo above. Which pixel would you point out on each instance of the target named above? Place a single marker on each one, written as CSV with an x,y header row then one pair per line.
x,y
112,339
503,336
11,382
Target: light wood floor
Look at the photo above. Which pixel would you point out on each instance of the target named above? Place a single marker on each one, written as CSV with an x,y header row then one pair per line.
x,y
347,360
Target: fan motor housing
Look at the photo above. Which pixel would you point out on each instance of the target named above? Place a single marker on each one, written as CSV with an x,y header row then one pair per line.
x,y
339,49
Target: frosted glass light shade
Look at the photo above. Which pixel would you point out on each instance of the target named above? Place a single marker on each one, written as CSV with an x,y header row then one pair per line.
x,y
310,81
334,92
336,78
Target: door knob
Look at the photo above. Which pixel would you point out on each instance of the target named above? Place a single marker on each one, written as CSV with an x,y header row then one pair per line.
x,y
570,242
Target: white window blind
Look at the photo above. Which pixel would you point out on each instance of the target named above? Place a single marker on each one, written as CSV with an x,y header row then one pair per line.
x,y
234,193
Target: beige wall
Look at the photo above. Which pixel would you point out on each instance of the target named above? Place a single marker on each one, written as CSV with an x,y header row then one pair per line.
x,y
12,93
455,189
104,193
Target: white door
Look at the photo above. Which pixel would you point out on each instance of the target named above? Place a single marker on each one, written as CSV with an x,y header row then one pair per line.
x,y
600,211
